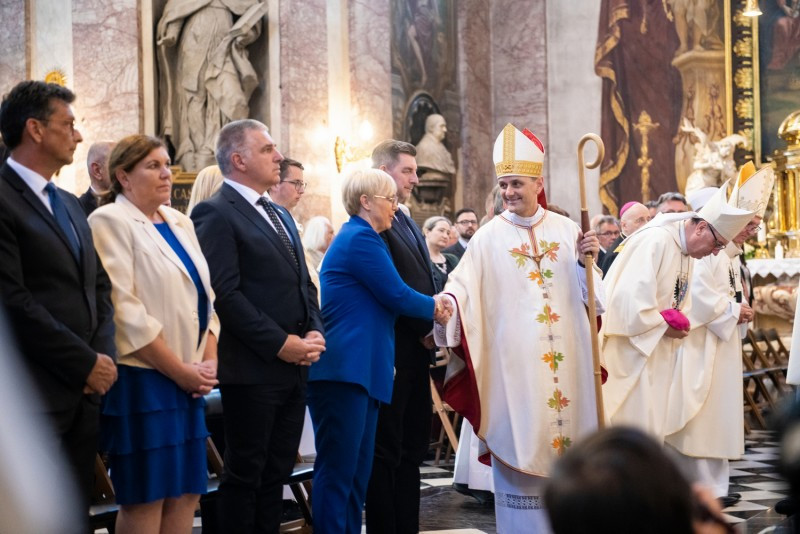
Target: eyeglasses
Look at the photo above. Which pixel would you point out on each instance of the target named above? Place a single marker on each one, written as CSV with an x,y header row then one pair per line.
x,y
70,123
470,222
753,229
610,233
717,244
298,185
392,199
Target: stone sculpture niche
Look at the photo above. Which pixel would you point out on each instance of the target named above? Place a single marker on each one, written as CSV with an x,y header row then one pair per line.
x,y
205,75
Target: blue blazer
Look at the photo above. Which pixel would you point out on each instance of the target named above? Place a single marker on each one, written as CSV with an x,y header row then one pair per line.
x,y
362,296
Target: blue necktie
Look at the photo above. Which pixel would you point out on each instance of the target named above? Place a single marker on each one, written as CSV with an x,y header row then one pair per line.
x,y
404,225
63,221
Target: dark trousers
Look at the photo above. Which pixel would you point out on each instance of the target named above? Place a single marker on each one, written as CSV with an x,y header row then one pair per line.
x,y
401,443
263,424
76,430
344,418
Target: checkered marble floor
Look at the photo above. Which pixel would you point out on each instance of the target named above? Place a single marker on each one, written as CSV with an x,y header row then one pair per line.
x,y
755,477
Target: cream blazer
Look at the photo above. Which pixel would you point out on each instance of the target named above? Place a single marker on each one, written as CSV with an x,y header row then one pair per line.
x,y
152,291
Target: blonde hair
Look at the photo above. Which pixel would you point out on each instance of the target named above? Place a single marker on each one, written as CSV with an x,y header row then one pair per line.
x,y
208,182
368,182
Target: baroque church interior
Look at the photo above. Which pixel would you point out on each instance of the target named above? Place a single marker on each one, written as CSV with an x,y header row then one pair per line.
x,y
680,94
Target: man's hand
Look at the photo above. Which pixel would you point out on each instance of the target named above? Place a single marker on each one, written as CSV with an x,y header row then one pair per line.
x,y
675,333
588,244
746,313
428,342
302,351
102,376
313,336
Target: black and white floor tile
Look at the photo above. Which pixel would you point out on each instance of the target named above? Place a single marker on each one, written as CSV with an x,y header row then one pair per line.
x,y
755,477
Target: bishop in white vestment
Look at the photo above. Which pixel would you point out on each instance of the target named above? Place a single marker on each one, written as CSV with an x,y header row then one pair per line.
x,y
523,374
648,299
705,421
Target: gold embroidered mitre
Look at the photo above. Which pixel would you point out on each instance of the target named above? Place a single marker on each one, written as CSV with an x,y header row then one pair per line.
x,y
727,220
516,154
753,189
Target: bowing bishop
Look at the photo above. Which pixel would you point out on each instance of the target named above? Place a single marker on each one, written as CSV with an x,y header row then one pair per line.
x,y
648,289
706,423
522,374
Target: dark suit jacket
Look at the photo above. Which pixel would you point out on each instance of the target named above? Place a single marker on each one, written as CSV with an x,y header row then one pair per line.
x,y
610,255
262,297
60,311
414,265
456,250
88,202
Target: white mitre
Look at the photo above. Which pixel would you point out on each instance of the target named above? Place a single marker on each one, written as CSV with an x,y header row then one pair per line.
x,y
727,220
698,198
753,189
517,154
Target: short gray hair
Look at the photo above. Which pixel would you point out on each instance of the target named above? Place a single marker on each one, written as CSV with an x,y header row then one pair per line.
x,y
314,232
231,139
605,219
368,182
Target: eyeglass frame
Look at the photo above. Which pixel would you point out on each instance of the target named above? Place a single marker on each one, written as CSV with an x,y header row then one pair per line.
x,y
717,244
470,222
299,185
608,233
393,199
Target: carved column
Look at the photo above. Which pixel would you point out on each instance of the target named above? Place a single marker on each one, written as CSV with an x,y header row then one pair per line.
x,y
703,76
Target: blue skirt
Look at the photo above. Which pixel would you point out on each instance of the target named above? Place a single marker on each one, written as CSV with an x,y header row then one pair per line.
x,y
155,436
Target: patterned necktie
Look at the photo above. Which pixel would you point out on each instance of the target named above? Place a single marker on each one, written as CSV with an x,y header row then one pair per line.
x,y
62,219
270,209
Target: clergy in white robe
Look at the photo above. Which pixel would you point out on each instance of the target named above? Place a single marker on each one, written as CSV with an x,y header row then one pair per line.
x,y
647,285
523,371
706,421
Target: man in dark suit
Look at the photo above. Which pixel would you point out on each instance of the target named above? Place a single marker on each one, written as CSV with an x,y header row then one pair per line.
x,y
97,165
466,226
402,437
52,284
271,327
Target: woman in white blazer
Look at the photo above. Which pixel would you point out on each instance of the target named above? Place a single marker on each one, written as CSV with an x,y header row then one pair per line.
x,y
166,334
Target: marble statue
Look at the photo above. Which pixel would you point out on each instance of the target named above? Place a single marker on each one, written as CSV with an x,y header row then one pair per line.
x,y
713,160
206,78
695,24
431,153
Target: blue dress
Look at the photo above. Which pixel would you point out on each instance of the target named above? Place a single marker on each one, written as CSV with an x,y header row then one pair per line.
x,y
154,431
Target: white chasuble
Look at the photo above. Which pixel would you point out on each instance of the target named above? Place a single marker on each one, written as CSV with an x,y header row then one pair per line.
x,y
650,275
705,419
793,373
523,372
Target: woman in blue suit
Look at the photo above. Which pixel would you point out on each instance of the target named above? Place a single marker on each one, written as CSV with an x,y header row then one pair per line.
x,y
362,295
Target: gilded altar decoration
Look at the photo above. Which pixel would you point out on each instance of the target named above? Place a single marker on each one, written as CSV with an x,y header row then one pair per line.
x,y
644,126
56,76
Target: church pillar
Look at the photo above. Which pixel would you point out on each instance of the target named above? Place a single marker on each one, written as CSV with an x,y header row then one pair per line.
x,y
703,80
304,102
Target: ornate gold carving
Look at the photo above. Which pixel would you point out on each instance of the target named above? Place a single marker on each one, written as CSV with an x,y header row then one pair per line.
x,y
743,78
743,47
744,108
740,20
520,168
508,143
56,76
644,126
